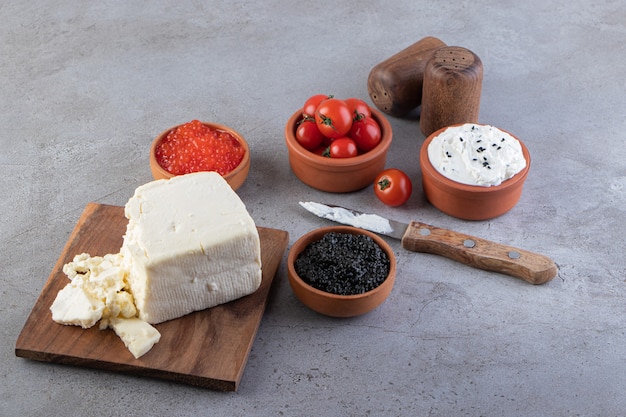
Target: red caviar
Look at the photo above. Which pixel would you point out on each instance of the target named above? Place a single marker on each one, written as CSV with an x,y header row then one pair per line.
x,y
194,147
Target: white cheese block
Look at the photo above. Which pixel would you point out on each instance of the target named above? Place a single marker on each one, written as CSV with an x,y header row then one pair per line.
x,y
190,244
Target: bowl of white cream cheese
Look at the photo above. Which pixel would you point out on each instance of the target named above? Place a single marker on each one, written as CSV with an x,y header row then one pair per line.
x,y
473,171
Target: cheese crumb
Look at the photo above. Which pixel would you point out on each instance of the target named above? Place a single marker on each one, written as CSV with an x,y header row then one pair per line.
x,y
98,291
137,335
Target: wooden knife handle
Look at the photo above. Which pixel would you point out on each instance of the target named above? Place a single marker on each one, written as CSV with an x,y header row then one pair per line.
x,y
479,253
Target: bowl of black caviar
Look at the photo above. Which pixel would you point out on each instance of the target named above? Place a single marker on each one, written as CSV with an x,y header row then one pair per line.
x,y
341,271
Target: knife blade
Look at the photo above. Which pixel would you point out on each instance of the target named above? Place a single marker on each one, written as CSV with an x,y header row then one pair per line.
x,y
469,250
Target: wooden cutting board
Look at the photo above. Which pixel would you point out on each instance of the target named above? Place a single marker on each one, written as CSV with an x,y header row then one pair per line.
x,y
207,348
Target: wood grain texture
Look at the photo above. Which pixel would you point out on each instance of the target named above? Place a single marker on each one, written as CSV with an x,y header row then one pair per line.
x,y
395,84
451,90
207,348
479,253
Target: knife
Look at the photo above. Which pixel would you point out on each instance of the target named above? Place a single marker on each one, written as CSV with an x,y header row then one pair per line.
x,y
420,237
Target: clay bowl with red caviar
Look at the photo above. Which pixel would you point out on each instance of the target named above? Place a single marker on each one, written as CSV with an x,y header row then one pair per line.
x,y
337,175
337,294
206,141
470,202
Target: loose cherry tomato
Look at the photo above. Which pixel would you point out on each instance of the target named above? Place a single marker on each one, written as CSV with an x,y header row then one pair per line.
x,y
308,135
366,133
393,187
342,148
358,107
333,118
312,102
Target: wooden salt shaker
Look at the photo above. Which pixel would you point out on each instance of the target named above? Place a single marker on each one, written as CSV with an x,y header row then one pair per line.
x,y
451,91
395,85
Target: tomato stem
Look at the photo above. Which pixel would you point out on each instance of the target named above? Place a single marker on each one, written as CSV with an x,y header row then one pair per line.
x,y
358,116
384,183
306,118
327,121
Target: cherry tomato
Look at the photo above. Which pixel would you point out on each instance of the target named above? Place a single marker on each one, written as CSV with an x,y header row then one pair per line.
x,y
393,187
333,118
327,141
366,133
342,148
321,151
308,135
357,107
312,102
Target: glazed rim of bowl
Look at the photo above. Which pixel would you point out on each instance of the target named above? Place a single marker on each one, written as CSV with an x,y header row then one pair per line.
x,y
385,141
446,183
317,234
214,126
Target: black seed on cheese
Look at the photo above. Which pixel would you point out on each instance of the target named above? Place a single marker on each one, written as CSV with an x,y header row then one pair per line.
x,y
343,264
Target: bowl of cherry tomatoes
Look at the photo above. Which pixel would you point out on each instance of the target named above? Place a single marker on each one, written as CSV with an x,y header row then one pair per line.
x,y
337,145
200,146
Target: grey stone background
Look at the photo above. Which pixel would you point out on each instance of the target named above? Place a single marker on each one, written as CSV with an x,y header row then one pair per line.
x,y
85,87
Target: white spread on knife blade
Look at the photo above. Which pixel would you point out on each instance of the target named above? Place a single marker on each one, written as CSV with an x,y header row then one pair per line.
x,y
371,222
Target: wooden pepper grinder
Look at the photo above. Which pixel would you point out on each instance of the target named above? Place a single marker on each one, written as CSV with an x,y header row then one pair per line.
x,y
451,91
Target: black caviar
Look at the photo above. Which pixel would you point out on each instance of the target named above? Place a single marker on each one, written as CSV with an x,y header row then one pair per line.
x,y
343,264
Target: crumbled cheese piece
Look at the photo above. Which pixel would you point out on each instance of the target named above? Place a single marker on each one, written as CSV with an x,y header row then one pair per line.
x,y
476,155
73,305
98,291
137,335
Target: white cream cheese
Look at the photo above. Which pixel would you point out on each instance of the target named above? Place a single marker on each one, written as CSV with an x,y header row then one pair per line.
x,y
371,222
474,154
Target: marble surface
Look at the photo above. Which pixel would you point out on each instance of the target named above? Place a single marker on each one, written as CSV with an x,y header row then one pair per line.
x,y
85,86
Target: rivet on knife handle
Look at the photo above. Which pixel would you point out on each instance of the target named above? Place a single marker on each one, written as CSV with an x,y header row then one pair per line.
x,y
479,253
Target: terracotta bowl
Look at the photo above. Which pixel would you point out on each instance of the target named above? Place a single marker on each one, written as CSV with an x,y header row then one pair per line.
x,y
470,202
332,304
338,175
235,178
